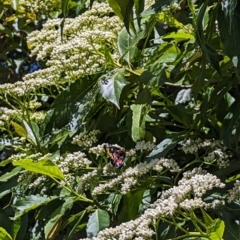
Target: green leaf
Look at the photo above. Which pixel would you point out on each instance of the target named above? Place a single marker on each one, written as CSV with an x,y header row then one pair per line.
x,y
4,235
5,177
139,7
123,9
139,113
144,97
155,76
19,129
5,222
98,221
232,230
8,186
30,133
208,51
30,203
230,122
223,106
14,4
56,216
16,227
45,167
183,96
127,44
216,229
71,106
179,36
230,37
131,204
162,149
111,85
57,137
114,200
65,8
169,20
23,223
74,218
206,217
228,8
213,97
180,114
157,7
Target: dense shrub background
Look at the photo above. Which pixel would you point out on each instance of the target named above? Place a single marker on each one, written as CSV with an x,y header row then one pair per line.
x,y
83,81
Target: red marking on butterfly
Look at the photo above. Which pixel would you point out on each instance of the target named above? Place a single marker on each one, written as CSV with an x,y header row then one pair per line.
x,y
116,154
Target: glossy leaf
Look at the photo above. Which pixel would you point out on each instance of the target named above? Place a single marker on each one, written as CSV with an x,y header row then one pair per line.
x,y
162,149
97,221
29,203
30,132
112,85
183,96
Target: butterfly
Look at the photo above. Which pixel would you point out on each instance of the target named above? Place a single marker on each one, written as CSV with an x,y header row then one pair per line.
x,y
116,154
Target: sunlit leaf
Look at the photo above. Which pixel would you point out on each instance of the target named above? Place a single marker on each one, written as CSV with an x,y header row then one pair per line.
x,y
45,167
4,235
111,85
139,113
19,129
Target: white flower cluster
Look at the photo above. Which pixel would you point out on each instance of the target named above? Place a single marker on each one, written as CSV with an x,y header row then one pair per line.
x,y
72,162
6,115
191,146
35,157
86,140
109,170
43,6
78,52
129,177
33,104
87,180
38,117
98,150
23,88
38,182
215,151
176,198
145,146
235,192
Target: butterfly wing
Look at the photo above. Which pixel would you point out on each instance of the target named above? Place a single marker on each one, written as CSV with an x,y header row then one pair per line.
x,y
117,155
